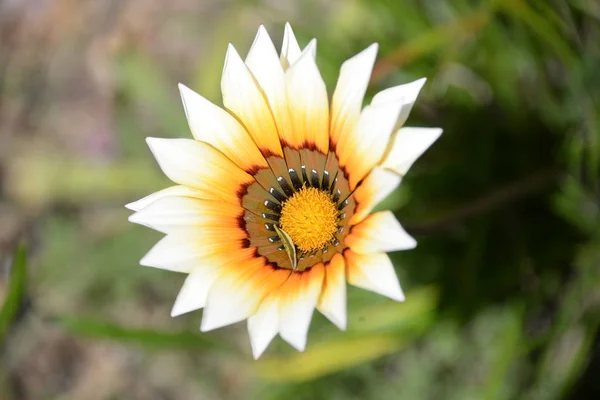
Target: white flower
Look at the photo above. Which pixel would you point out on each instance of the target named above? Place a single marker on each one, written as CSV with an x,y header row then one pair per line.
x,y
271,213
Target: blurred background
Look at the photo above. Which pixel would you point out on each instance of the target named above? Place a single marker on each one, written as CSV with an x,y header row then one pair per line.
x,y
503,291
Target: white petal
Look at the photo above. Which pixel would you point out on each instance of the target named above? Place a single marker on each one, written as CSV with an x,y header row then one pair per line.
x,y
350,90
238,292
201,166
173,214
379,233
242,96
290,50
376,187
307,97
194,292
297,305
264,64
184,252
332,302
407,94
175,253
172,191
264,325
211,124
407,145
373,272
363,148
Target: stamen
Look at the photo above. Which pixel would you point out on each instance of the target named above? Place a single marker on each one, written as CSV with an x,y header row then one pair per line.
x,y
310,218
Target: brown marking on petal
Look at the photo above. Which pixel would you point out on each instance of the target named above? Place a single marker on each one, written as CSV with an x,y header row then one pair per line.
x,y
245,243
242,191
310,146
253,170
267,153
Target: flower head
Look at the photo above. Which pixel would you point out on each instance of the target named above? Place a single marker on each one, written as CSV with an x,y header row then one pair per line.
x,y
271,213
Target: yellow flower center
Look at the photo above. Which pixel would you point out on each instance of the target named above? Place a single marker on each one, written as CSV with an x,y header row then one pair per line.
x,y
310,218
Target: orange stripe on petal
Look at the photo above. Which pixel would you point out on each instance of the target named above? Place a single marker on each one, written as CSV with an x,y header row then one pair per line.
x,y
373,272
332,302
379,232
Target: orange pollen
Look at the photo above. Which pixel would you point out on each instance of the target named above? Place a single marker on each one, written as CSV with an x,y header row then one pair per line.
x,y
310,218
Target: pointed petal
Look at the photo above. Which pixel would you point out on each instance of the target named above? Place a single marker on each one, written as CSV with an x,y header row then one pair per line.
x,y
264,325
201,166
379,233
290,50
361,149
299,296
194,291
242,96
373,272
182,253
266,68
332,302
407,145
349,92
211,124
406,94
172,214
238,292
171,191
376,187
307,98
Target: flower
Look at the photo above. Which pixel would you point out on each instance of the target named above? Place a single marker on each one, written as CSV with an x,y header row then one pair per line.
x,y
271,214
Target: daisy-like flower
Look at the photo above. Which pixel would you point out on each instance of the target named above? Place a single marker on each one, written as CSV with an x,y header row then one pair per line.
x,y
271,213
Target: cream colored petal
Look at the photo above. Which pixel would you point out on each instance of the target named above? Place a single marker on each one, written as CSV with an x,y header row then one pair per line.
x,y
174,214
199,165
194,292
239,291
374,272
308,105
376,187
211,124
379,233
299,296
171,191
243,97
266,68
264,325
407,145
349,92
406,94
363,148
290,50
332,302
185,252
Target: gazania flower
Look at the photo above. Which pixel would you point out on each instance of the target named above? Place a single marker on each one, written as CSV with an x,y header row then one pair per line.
x,y
271,213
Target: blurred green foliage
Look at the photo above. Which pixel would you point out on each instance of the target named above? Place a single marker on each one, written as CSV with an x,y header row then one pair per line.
x,y
503,291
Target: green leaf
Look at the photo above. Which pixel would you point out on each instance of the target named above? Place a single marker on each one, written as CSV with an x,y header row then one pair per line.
x,y
147,338
16,291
